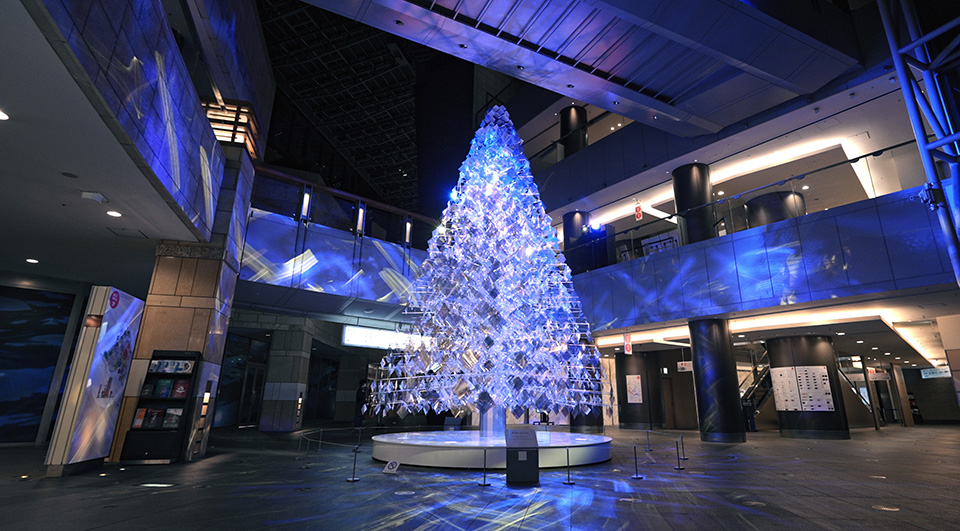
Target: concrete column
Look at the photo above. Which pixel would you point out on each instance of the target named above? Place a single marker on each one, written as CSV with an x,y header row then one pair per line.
x,y
808,351
286,384
715,379
573,129
691,190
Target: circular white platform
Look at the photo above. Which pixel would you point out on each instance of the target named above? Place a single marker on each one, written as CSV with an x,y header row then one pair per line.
x,y
464,449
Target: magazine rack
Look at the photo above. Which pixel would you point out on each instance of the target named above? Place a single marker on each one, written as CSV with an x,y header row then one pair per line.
x,y
160,425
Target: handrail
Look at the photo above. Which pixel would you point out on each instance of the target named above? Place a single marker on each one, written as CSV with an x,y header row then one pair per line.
x,y
854,387
718,202
283,176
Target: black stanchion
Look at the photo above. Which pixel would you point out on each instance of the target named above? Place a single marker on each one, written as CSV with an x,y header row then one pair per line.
x,y
568,481
359,433
636,467
484,483
679,466
356,449
648,442
683,453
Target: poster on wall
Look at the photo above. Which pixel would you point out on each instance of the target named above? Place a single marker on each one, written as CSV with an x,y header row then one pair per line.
x,y
802,388
106,379
634,389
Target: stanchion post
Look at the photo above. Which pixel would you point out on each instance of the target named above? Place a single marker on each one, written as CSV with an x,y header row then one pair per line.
x,y
484,483
648,442
679,466
636,467
568,481
359,433
683,452
354,477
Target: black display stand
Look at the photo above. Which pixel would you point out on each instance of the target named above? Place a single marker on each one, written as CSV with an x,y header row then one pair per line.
x,y
160,425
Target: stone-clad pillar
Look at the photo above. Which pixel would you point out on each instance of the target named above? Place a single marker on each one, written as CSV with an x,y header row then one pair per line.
x,y
285,389
189,302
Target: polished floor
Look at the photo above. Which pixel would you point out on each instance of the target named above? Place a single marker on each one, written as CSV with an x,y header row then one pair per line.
x,y
897,478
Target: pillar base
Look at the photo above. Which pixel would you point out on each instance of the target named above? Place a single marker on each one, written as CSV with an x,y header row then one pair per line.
x,y
736,437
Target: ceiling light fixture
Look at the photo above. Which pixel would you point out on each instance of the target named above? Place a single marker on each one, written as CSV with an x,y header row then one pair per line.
x,y
461,45
33,261
841,333
519,67
859,341
805,187
874,348
616,102
114,214
4,116
398,22
569,85
720,192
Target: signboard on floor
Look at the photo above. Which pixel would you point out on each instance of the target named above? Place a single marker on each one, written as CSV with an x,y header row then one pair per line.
x,y
391,467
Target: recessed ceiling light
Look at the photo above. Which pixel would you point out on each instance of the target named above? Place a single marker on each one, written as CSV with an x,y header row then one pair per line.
x,y
906,361
720,192
33,261
461,45
398,22
612,128
114,214
519,67
874,348
886,353
898,357
805,187
569,85
619,125
741,335
615,102
841,333
859,341
4,116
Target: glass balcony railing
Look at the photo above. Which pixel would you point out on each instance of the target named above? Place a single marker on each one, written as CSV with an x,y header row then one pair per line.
x,y
306,236
743,203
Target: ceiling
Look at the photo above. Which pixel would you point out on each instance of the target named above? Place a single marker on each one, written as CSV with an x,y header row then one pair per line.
x,y
46,148
355,84
686,69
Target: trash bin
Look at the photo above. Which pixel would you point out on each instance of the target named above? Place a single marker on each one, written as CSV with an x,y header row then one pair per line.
x,y
523,457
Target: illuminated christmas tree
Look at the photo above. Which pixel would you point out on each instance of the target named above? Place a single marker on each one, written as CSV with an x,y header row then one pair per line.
x,y
500,322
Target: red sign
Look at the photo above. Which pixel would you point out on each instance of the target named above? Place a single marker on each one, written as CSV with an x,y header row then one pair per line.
x,y
638,212
114,299
627,345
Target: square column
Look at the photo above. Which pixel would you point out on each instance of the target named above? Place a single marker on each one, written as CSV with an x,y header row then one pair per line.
x,y
286,384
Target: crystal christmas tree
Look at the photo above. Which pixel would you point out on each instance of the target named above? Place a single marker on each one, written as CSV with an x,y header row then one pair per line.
x,y
499,322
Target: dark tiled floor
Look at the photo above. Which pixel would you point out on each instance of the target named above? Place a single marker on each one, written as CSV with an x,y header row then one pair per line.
x,y
898,478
